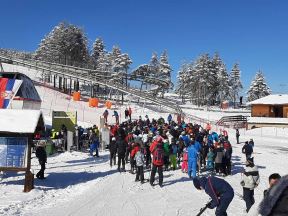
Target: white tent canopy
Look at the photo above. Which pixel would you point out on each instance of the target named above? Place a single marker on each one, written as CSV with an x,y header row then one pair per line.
x,y
19,121
271,100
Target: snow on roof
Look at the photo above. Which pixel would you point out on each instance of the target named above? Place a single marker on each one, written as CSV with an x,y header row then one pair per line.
x,y
19,121
271,99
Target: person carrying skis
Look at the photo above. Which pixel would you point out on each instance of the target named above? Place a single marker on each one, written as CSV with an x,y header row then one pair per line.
x,y
250,181
219,190
158,160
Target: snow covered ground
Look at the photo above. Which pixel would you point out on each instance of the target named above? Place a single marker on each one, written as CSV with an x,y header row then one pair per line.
x,y
77,184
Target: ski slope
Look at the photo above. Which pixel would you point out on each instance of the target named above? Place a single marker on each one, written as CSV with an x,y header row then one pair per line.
x,y
78,184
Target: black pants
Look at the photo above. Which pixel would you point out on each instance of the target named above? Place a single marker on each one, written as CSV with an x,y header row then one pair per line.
x,y
133,164
40,174
166,162
112,157
140,173
218,167
160,173
248,196
121,158
237,138
224,204
227,167
148,156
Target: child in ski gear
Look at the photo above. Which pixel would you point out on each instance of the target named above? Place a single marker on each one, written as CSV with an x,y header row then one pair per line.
x,y
173,155
219,190
113,149
184,166
250,181
94,143
273,180
219,155
42,157
210,159
139,158
166,154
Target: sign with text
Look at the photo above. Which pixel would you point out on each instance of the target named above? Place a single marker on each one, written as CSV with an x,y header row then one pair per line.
x,y
13,151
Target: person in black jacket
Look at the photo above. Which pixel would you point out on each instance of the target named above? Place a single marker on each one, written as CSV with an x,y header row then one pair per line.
x,y
42,157
113,151
247,150
121,150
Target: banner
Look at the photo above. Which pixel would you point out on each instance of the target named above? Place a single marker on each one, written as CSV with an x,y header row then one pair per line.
x,y
8,89
69,119
13,151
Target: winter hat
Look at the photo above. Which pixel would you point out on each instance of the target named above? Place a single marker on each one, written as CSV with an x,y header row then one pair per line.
x,y
196,183
113,139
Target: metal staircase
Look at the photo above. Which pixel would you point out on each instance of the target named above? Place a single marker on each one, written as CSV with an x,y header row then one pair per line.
x,y
104,78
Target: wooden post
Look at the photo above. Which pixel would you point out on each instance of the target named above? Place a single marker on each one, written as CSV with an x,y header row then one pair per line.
x,y
29,177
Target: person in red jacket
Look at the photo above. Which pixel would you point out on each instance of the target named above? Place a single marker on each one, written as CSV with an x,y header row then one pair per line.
x,y
157,151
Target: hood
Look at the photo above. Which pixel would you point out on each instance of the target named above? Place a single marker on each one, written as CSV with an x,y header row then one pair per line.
x,y
275,192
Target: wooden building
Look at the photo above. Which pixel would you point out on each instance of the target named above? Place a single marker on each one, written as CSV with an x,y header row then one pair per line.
x,y
273,106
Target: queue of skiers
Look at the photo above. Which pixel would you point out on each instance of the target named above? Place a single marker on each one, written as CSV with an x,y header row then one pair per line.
x,y
157,146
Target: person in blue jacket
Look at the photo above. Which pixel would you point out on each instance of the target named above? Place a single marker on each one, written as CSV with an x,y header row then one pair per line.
x,y
219,190
169,119
192,160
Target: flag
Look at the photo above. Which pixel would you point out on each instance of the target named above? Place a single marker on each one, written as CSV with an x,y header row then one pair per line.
x,y
8,89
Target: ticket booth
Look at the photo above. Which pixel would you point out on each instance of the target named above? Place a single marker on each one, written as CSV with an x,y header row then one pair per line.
x,y
17,130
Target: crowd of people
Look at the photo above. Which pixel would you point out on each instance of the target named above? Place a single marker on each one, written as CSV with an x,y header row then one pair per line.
x,y
155,146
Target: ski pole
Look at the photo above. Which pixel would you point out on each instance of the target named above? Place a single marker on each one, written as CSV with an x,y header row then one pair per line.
x,y
204,208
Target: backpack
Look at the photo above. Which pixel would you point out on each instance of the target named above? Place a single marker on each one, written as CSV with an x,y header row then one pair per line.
x,y
158,157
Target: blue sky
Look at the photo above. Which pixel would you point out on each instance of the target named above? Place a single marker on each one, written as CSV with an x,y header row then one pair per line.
x,y
253,33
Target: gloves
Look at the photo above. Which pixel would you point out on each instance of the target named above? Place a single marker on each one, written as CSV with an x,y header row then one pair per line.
x,y
209,205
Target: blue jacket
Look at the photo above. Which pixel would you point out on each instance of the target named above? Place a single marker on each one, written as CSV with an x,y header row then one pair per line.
x,y
197,146
215,136
192,153
186,140
169,117
217,189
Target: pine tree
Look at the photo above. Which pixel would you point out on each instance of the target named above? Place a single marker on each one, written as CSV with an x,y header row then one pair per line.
x,y
66,44
97,50
154,66
165,71
235,83
258,87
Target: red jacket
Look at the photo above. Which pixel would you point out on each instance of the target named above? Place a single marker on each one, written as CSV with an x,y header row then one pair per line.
x,y
134,151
